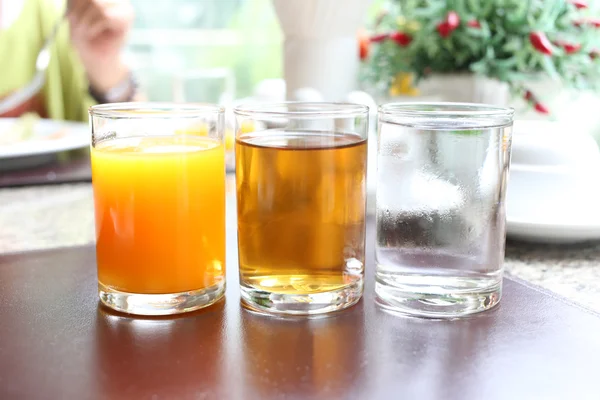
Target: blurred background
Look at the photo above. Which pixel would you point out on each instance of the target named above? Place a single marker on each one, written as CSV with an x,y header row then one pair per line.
x,y
207,50
541,57
221,50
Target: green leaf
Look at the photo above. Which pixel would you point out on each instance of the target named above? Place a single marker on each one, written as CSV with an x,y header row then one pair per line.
x,y
480,67
473,45
550,68
474,6
518,17
506,63
460,7
499,49
513,45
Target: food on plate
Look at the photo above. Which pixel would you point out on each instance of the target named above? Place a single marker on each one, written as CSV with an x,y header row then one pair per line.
x,y
24,128
21,130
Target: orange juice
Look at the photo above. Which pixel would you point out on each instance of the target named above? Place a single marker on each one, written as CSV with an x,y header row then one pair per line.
x,y
160,213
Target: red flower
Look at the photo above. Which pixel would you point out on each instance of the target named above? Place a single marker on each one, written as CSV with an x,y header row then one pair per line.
x,y
401,38
595,22
450,24
571,48
363,47
444,29
580,4
453,20
540,42
474,24
379,38
539,107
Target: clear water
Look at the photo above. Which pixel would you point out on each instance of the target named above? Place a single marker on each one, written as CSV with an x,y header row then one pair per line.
x,y
440,210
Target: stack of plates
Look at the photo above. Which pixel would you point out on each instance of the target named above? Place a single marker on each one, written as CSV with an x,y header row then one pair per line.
x,y
554,186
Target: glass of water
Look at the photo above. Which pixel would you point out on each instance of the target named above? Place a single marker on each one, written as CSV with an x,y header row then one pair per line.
x,y
441,184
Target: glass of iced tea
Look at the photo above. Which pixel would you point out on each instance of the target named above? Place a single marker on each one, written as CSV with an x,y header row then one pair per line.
x,y
301,197
158,172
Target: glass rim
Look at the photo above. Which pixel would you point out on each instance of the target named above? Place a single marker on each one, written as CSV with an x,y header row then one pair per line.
x,y
145,110
302,109
444,109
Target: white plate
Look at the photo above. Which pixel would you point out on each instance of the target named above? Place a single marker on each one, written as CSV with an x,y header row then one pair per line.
x,y
73,135
553,191
553,205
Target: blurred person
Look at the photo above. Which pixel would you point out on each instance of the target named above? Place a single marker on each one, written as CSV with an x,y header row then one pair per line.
x,y
86,58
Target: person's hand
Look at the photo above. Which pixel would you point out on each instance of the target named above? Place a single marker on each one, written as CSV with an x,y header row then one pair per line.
x,y
98,32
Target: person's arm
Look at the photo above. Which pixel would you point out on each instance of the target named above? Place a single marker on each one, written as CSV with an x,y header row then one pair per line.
x,y
98,32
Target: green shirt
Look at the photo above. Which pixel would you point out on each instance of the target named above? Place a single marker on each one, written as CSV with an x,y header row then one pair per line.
x,y
65,93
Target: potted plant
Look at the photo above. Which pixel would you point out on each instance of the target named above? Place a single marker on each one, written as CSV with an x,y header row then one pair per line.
x,y
479,50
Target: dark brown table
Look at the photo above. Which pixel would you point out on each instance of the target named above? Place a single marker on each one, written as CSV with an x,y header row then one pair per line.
x,y
67,167
56,342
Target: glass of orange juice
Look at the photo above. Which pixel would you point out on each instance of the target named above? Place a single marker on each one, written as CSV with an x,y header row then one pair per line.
x,y
158,172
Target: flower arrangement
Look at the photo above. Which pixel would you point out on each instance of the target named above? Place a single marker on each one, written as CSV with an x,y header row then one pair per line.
x,y
513,41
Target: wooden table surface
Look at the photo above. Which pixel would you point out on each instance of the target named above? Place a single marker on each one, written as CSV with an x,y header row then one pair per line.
x,y
56,342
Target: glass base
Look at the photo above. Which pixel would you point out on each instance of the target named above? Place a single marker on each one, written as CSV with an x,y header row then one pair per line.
x,y
452,300
285,304
160,304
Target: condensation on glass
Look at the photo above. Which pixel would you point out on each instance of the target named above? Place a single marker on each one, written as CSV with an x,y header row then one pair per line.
x,y
441,184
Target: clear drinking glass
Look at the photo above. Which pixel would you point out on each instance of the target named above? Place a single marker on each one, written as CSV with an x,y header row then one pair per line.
x,y
441,184
301,198
158,172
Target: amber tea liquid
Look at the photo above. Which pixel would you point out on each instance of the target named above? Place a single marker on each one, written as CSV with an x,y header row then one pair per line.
x,y
301,216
